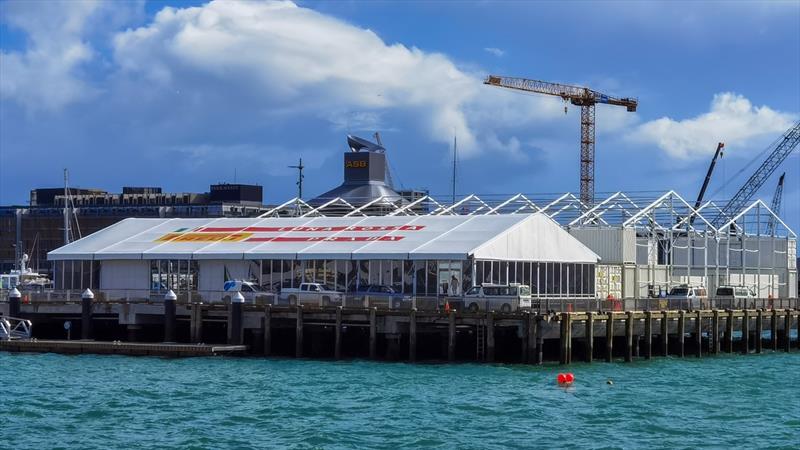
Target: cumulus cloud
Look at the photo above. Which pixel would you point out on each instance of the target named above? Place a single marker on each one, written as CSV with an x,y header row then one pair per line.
x,y
298,60
46,74
732,119
494,51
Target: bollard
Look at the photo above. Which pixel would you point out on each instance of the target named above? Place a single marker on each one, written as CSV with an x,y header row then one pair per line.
x,y
14,297
169,316
86,314
235,319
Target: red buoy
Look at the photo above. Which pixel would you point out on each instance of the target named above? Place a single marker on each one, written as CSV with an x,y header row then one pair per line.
x,y
570,377
562,378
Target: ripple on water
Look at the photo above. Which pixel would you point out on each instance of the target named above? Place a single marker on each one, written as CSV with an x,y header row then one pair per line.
x,y
99,402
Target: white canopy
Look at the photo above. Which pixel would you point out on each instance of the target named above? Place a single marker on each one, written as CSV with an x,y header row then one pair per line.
x,y
512,237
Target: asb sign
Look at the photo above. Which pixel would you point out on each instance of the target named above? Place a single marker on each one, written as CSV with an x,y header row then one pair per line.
x,y
353,233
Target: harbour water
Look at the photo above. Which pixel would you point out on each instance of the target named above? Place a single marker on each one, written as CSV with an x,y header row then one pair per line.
x,y
54,401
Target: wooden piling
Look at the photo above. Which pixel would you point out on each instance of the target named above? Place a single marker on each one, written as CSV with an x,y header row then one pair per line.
x,y
629,337
86,316
681,332
451,336
609,336
337,341
648,335
298,340
589,336
746,332
196,323
698,331
787,328
566,338
490,336
373,332
412,335
715,332
773,335
532,326
267,326
664,333
539,341
729,332
759,329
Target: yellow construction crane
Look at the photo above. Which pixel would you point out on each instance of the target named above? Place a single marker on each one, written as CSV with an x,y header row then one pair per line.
x,y
580,96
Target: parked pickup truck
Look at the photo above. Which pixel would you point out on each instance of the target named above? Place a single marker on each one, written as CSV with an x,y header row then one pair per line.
x,y
311,293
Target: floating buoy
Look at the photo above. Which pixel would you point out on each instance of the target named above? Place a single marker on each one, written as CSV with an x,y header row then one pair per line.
x,y
609,381
565,378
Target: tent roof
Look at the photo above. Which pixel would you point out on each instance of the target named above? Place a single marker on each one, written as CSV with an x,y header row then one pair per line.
x,y
521,237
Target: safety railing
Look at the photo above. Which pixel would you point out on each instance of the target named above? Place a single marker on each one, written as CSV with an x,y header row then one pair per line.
x,y
408,302
13,328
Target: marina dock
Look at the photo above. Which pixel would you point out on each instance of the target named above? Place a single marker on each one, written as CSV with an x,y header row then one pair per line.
x,y
336,332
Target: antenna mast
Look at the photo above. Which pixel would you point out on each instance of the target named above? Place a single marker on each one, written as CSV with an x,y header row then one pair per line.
x,y
300,177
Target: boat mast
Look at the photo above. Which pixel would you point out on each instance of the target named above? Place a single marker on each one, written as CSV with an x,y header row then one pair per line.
x,y
66,208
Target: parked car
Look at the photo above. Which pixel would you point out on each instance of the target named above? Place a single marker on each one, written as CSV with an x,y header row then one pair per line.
x,y
733,296
248,289
687,297
313,293
506,298
389,295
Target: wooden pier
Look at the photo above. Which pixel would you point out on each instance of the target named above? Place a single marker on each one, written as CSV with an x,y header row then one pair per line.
x,y
119,348
404,335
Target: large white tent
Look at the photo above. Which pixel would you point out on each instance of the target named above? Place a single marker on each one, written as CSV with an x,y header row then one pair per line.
x,y
517,237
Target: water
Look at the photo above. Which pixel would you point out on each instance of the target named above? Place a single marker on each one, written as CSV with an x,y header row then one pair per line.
x,y
54,401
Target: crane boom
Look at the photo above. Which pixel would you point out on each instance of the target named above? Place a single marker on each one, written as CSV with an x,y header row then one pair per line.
x,y
776,204
783,147
702,193
581,96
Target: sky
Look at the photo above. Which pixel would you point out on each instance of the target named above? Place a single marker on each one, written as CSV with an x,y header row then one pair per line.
x,y
183,94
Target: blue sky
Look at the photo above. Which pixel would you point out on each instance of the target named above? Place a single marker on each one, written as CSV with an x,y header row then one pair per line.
x,y
184,94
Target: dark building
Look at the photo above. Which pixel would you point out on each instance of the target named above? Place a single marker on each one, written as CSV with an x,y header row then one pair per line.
x,y
39,228
365,176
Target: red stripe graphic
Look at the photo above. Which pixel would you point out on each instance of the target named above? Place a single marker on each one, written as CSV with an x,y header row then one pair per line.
x,y
362,229
326,239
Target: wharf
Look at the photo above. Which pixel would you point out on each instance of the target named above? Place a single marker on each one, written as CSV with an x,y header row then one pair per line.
x,y
119,348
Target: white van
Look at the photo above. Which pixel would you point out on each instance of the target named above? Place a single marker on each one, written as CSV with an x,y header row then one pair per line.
x,y
687,297
505,297
733,296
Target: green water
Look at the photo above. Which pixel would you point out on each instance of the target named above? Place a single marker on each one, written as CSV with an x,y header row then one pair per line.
x,y
53,401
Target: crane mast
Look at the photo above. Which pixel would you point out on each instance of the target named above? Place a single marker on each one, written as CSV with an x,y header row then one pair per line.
x,y
702,193
580,96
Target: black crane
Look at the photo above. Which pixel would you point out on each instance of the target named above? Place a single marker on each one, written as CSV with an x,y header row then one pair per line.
x,y
702,193
776,204
781,149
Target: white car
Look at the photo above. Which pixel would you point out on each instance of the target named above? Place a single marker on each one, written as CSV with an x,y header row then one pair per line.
x,y
312,293
506,298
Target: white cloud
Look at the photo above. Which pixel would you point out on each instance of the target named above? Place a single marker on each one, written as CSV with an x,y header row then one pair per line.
x,y
732,119
298,60
495,51
46,75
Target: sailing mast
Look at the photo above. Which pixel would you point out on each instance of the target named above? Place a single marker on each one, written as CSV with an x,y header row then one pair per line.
x,y
66,208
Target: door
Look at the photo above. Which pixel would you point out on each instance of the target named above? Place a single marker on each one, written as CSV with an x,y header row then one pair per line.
x,y
449,278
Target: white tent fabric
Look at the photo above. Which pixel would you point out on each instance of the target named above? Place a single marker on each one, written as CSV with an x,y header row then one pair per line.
x,y
513,237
